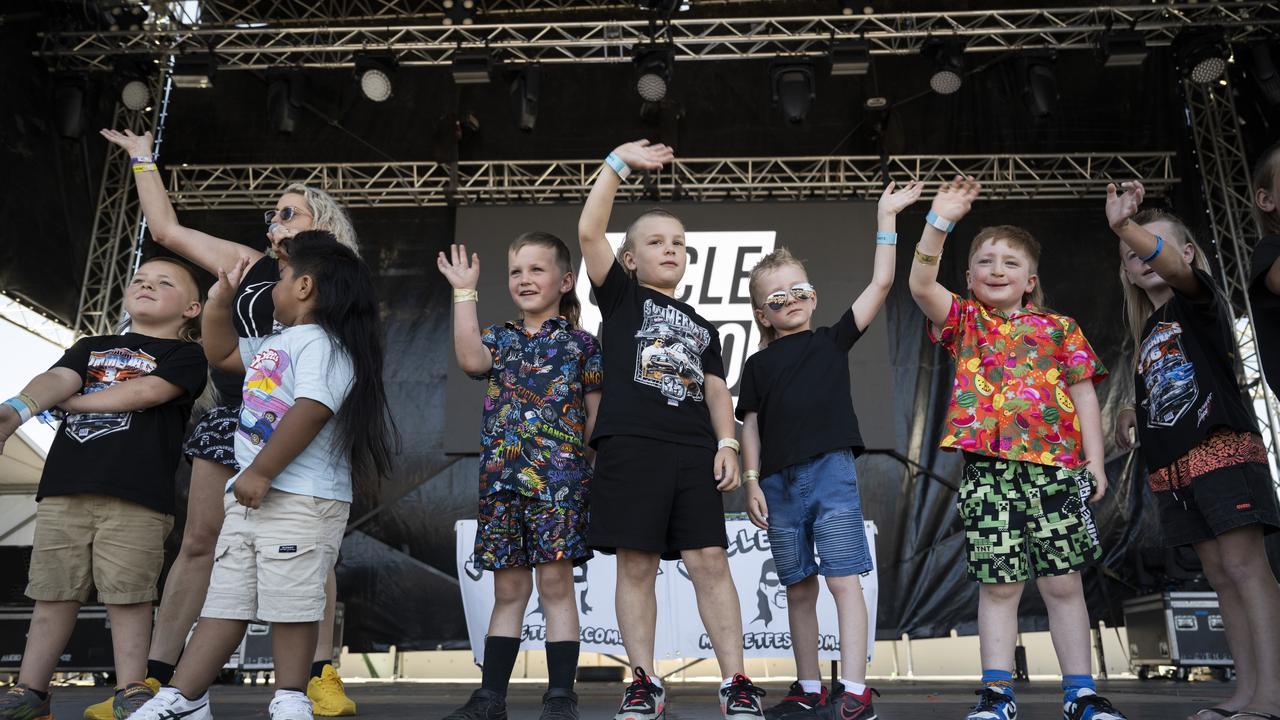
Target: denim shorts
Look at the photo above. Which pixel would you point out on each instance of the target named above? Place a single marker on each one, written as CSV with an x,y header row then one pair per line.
x,y
812,504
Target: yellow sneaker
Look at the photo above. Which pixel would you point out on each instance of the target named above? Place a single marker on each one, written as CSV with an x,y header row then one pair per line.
x,y
104,709
329,696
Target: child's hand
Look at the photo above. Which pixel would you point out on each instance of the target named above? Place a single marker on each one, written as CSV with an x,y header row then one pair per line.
x,y
251,487
727,479
1123,205
640,155
461,273
228,281
894,201
955,198
1126,424
757,508
1099,471
135,145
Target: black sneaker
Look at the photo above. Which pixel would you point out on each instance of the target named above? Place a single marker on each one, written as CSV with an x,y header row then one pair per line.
x,y
483,705
643,700
1089,706
797,700
559,704
993,705
844,705
741,700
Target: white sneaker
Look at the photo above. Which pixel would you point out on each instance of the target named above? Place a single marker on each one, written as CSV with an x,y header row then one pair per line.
x,y
169,704
290,705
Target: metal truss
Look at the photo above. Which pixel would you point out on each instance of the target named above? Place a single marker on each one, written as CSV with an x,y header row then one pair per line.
x,y
334,42
425,184
118,224
1225,173
36,322
230,12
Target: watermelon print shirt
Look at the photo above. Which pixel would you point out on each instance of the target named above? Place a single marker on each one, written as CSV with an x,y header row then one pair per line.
x,y
1010,397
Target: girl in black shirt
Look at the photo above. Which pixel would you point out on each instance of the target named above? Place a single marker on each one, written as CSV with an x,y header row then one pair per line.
x,y
1206,463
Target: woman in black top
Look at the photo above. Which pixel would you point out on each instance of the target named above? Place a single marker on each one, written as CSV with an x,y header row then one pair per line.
x,y
1206,464
299,208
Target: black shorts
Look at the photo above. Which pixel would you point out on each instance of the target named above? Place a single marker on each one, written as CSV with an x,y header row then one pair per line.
x,y
654,496
1218,501
213,438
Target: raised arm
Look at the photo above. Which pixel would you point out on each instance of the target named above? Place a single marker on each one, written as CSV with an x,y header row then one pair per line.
x,y
594,221
953,201
463,274
1169,263
205,250
891,203
217,334
46,390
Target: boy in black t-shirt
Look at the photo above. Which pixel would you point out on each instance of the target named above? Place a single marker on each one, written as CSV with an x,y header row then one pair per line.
x,y
664,438
106,494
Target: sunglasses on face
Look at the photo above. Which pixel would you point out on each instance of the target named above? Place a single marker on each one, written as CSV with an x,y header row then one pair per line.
x,y
286,214
803,291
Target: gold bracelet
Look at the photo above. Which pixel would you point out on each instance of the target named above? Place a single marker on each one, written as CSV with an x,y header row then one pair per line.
x,y
924,259
729,443
462,295
144,167
751,476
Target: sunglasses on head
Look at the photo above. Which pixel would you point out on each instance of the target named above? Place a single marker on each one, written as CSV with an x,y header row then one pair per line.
x,y
803,291
286,214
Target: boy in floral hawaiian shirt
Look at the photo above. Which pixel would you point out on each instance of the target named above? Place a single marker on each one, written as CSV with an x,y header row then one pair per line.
x,y
1024,411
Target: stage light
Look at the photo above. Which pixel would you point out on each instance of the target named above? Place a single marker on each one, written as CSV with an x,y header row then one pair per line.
x,y
127,16
850,57
1202,55
1263,68
375,72
524,97
459,12
947,57
135,94
284,97
1123,48
1040,86
653,65
472,66
663,7
194,71
848,7
793,88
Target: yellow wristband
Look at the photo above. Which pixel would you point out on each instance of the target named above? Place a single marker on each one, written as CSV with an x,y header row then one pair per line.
x,y
924,259
144,167
461,295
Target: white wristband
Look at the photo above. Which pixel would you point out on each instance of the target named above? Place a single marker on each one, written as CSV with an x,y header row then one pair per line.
x,y
619,165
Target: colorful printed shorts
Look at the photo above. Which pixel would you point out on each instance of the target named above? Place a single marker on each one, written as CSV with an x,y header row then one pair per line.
x,y
514,530
1012,508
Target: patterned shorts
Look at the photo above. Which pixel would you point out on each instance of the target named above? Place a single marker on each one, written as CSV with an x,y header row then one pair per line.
x,y
1012,508
514,530
213,437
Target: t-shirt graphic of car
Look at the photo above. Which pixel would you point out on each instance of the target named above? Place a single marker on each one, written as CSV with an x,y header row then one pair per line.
x,y
260,415
1169,377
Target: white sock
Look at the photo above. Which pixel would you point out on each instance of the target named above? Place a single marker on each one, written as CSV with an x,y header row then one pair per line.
x,y
726,683
853,687
288,693
811,686
656,681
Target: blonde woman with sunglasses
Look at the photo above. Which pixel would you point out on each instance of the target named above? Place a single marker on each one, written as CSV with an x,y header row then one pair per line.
x,y
209,448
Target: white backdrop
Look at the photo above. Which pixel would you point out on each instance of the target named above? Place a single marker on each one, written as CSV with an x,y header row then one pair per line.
x,y
680,634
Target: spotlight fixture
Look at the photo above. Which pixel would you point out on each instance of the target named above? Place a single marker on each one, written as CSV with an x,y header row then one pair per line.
x,y
132,78
663,7
284,98
1040,85
848,7
375,72
793,88
459,12
194,71
850,57
126,16
1202,55
135,95
947,57
524,97
653,65
1123,48
472,66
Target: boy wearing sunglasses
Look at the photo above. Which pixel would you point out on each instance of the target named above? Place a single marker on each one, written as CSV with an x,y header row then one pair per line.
x,y
800,434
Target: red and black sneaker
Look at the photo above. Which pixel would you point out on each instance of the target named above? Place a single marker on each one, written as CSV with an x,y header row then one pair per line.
x,y
741,699
844,705
643,701
797,700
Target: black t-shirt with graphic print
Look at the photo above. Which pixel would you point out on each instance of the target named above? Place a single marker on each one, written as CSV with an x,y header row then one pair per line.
x,y
253,315
1266,309
799,385
1185,381
657,354
128,455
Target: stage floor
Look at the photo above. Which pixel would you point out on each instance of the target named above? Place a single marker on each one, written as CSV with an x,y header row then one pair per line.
x,y
901,700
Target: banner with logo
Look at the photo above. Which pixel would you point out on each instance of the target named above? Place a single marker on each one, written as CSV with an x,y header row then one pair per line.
x,y
766,631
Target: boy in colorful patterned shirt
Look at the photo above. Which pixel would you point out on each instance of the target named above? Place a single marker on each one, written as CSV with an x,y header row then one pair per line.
x,y
1024,411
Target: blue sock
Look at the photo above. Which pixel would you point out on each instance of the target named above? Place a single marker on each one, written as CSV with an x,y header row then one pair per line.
x,y
1000,680
1073,684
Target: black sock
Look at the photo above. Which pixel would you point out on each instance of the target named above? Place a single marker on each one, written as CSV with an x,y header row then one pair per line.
x,y
160,670
42,694
562,663
297,690
317,667
499,660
